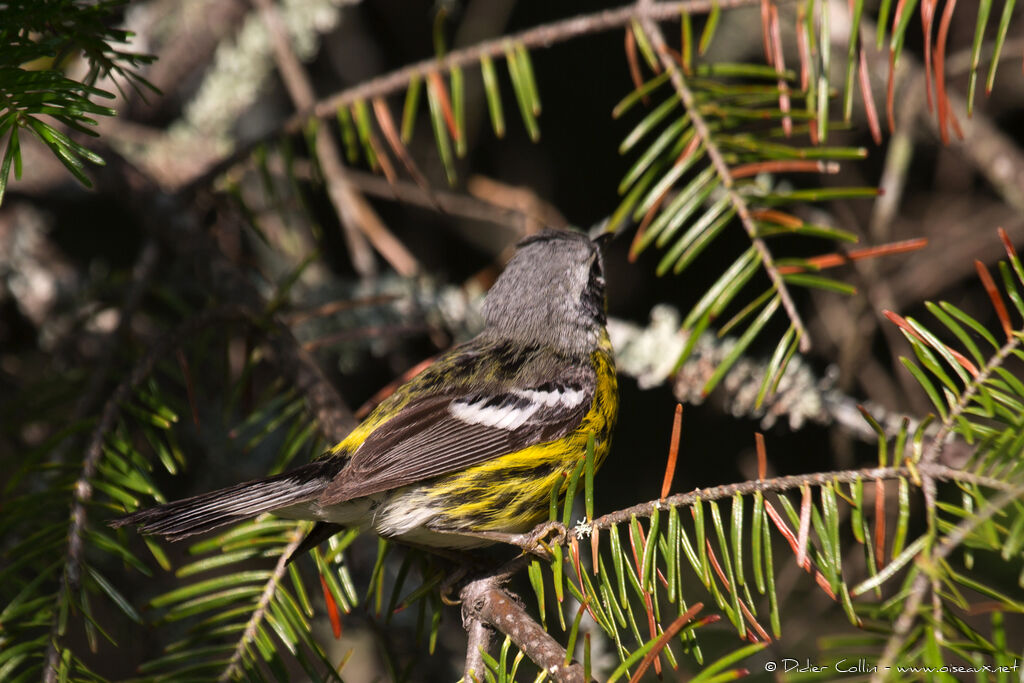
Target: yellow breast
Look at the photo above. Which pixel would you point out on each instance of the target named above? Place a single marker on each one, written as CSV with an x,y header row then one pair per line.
x,y
511,493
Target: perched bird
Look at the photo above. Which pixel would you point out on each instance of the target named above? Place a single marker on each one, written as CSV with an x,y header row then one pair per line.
x,y
465,453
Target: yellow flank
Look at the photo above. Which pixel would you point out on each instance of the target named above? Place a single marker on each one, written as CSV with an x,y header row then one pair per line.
x,y
511,493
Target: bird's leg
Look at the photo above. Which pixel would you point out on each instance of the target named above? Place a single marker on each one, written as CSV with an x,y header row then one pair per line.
x,y
537,542
464,563
452,585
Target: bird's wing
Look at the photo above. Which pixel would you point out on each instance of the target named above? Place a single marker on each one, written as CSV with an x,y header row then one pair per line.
x,y
448,432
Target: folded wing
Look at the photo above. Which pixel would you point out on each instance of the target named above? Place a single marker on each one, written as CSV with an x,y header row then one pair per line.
x,y
446,433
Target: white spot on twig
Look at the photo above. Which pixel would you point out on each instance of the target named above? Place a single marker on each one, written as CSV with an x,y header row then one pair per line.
x,y
583,529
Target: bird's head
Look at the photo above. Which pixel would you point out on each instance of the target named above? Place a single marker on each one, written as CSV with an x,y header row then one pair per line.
x,y
551,292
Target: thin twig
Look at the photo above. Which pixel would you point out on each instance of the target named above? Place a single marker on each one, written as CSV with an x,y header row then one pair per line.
x,y
949,543
516,217
355,214
142,274
524,199
703,132
542,36
269,590
83,488
787,483
452,203
935,447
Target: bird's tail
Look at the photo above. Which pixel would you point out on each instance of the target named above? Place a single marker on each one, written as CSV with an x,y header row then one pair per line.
x,y
207,511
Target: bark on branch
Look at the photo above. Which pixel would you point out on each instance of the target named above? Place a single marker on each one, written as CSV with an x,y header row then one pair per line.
x,y
485,603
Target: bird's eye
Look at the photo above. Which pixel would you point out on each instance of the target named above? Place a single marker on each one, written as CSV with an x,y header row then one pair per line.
x,y
596,271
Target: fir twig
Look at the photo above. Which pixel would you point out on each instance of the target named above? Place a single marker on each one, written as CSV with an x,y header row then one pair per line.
x,y
355,214
83,488
919,590
787,483
725,174
235,665
935,447
545,35
451,203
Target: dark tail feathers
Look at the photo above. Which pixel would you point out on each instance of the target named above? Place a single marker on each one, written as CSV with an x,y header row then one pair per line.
x,y
321,532
207,511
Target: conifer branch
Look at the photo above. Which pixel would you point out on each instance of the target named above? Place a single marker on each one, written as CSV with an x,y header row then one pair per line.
x,y
936,446
297,365
235,665
544,35
703,132
449,203
790,482
540,36
358,219
478,641
83,488
917,592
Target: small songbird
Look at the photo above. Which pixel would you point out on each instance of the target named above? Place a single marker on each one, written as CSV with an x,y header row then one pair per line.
x,y
467,452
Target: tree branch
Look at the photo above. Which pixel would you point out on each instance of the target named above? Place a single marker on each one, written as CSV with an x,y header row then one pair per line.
x,y
235,664
484,602
83,488
540,36
545,35
451,203
935,447
703,132
357,217
478,641
788,483
949,543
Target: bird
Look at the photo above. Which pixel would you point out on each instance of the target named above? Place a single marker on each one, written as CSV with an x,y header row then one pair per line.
x,y
466,453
